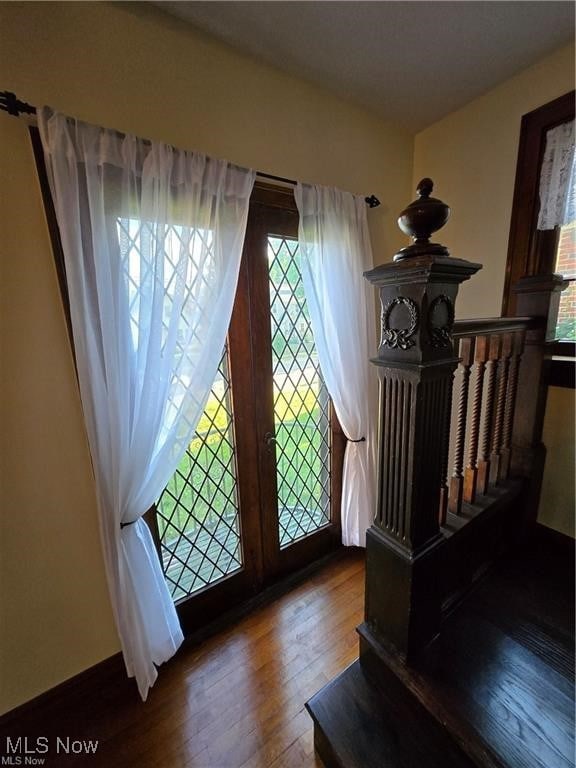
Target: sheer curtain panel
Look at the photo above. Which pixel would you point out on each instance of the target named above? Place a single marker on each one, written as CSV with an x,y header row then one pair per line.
x,y
152,239
558,178
335,252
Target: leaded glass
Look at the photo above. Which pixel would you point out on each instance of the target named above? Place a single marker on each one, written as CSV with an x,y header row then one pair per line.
x,y
198,515
301,403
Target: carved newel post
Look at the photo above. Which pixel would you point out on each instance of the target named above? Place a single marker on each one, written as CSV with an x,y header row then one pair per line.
x,y
416,364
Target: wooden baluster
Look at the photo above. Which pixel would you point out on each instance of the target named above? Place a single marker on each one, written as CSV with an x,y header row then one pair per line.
x,y
457,481
498,427
487,434
506,452
471,473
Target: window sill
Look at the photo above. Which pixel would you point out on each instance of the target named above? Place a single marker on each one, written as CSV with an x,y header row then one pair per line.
x,y
562,372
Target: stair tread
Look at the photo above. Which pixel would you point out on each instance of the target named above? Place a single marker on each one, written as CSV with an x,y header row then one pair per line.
x,y
500,677
381,725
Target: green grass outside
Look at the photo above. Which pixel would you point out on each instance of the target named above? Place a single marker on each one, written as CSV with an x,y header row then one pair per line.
x,y
210,466
209,463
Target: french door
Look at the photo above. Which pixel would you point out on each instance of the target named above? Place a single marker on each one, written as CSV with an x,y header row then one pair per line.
x,y
257,494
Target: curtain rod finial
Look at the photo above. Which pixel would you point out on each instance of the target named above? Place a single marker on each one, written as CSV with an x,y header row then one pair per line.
x,y
372,201
9,103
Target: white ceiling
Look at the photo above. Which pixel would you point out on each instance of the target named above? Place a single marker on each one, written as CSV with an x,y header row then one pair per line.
x,y
410,62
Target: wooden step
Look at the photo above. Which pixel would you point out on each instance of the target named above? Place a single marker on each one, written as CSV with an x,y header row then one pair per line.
x,y
500,677
442,703
365,718
495,689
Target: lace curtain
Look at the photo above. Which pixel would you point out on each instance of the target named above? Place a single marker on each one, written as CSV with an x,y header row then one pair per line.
x,y
152,239
558,178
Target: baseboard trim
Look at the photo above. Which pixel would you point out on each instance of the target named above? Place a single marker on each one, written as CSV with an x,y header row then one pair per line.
x,y
561,542
113,666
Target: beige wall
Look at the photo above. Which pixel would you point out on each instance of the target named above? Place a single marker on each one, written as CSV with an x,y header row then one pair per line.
x,y
557,500
54,613
471,155
136,71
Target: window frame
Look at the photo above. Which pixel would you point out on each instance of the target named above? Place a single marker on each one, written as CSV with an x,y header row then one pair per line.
x,y
532,251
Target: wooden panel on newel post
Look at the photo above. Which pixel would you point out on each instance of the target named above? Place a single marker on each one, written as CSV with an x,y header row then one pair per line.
x,y
537,296
416,363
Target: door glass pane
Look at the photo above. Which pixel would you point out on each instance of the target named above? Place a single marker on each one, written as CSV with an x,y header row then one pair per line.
x,y
566,266
301,403
198,515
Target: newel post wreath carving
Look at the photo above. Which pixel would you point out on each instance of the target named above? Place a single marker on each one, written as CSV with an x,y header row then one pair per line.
x,y
416,363
440,321
399,337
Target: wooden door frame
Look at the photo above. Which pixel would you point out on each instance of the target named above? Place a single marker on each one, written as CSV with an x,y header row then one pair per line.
x,y
274,209
253,407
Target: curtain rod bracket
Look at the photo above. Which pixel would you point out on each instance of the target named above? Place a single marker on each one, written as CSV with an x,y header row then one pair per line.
x,y
372,201
11,104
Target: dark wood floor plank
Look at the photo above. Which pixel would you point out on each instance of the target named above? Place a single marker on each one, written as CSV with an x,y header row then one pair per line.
x,y
239,688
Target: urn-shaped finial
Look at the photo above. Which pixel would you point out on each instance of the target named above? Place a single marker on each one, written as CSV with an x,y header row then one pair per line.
x,y
422,217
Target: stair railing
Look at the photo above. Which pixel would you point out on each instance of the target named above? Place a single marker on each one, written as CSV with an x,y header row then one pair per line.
x,y
419,551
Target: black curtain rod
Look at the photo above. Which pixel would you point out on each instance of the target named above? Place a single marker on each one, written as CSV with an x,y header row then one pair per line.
x,y
371,201
14,106
9,103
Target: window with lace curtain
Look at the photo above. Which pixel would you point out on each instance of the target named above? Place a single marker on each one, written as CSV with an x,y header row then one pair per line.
x,y
543,227
557,212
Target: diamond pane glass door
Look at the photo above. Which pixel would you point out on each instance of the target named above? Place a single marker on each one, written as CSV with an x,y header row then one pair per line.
x,y
301,402
198,514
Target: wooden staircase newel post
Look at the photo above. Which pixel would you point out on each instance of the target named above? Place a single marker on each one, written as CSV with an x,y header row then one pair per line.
x,y
416,363
537,296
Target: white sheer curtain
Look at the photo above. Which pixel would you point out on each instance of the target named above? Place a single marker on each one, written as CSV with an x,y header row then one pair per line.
x,y
152,239
558,178
335,251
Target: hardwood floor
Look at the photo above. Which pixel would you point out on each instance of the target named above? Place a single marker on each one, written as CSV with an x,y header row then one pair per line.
x,y
501,687
234,701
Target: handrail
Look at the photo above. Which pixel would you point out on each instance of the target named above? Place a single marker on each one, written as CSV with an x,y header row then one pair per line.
x,y
486,325
489,351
